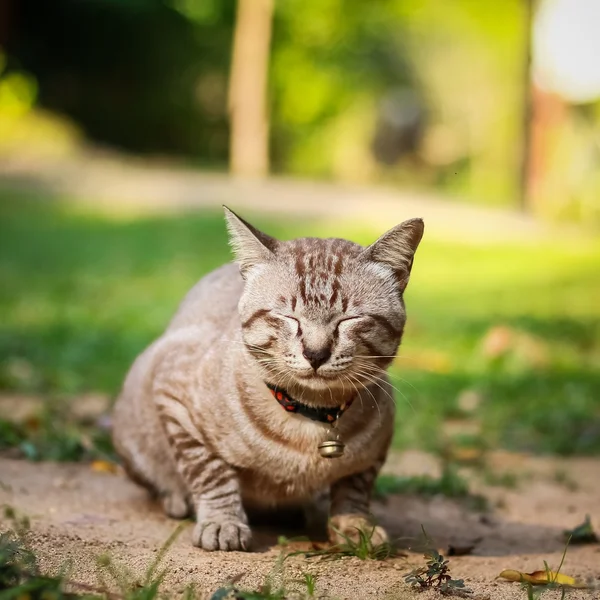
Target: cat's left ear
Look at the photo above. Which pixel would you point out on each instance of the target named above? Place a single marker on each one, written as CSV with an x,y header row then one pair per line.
x,y
397,248
250,246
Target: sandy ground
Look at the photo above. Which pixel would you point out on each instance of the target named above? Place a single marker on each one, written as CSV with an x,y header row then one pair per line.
x,y
78,513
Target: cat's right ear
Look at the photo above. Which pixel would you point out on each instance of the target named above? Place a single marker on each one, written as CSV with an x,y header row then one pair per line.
x,y
397,248
251,247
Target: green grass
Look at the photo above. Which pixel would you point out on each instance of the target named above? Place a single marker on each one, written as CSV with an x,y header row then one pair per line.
x,y
450,484
82,294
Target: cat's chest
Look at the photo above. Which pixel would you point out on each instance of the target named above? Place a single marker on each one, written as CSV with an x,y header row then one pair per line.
x,y
286,472
287,478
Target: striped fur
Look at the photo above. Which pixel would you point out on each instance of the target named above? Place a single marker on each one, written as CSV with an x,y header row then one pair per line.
x,y
195,422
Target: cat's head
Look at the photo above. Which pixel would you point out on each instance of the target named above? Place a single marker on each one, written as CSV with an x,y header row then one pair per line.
x,y
323,313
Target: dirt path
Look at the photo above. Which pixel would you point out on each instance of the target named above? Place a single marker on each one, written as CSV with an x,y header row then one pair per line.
x,y
125,185
78,514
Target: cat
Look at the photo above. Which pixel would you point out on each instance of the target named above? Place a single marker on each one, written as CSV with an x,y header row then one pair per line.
x,y
226,410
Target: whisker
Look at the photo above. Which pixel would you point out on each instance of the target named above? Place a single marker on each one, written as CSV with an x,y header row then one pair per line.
x,y
354,386
374,381
372,396
406,399
394,356
383,371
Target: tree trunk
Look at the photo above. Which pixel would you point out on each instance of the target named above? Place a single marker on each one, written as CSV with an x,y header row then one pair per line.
x,y
249,138
528,114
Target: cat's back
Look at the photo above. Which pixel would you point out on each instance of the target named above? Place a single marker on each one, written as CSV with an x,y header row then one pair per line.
x,y
212,302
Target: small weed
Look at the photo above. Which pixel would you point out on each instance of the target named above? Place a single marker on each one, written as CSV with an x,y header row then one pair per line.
x,y
310,582
538,582
534,594
362,548
270,590
20,576
435,573
129,587
583,533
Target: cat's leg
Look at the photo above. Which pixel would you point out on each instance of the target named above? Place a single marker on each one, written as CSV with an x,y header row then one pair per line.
x,y
316,513
145,454
213,485
349,513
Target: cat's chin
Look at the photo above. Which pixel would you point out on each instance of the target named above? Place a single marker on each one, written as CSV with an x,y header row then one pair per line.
x,y
321,381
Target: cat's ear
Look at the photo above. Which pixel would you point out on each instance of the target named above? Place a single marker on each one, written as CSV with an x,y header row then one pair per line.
x,y
250,246
396,248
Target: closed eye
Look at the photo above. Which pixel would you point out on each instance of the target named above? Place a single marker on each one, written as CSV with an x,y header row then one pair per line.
x,y
349,320
286,317
295,323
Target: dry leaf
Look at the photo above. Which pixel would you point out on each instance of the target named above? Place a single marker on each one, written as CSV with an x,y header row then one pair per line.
x,y
466,455
104,466
541,578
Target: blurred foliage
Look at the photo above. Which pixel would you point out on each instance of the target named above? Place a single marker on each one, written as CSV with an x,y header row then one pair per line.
x,y
426,94
24,129
141,74
449,484
517,349
53,434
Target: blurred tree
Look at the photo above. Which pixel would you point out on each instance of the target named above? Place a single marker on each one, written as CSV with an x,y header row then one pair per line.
x,y
426,93
143,75
249,145
525,175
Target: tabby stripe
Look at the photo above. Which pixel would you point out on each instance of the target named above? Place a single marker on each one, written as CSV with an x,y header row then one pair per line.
x,y
220,480
196,465
169,395
385,323
301,271
170,420
221,496
274,322
190,471
184,443
257,315
371,348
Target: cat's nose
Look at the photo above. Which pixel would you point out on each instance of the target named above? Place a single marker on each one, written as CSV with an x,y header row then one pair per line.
x,y
316,357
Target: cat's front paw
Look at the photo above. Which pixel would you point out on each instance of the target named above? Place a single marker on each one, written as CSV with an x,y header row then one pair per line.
x,y
342,527
225,533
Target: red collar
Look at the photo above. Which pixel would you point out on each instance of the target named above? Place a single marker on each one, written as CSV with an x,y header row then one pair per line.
x,y
322,414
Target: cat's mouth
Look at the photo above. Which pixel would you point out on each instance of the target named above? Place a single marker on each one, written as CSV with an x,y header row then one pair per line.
x,y
322,380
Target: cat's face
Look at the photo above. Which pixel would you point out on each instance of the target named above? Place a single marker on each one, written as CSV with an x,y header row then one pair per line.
x,y
323,314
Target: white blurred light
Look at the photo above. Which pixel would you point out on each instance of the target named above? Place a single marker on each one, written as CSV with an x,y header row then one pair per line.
x,y
566,48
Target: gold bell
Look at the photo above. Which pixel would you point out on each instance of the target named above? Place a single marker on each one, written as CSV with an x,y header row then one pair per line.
x,y
331,449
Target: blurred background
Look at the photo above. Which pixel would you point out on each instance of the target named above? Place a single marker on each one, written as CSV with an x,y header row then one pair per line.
x,y
124,125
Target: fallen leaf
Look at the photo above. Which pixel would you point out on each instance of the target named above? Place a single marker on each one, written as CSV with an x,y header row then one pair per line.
x,y
541,578
466,455
104,466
